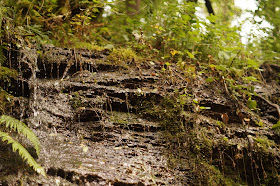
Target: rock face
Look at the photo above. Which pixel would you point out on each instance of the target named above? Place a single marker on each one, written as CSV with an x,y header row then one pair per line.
x,y
105,124
95,136
87,124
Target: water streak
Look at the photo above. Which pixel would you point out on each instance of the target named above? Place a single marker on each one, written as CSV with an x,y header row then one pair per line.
x,y
29,57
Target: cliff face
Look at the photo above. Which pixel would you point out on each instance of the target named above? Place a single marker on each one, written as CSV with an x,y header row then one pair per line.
x,y
104,123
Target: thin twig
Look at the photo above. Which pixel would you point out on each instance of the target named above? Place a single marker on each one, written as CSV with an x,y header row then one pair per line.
x,y
271,104
41,6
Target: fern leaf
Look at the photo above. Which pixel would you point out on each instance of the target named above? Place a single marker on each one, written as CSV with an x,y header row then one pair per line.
x,y
36,29
21,128
23,153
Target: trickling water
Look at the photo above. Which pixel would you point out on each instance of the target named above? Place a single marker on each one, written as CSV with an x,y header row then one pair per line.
x,y
51,70
29,57
21,104
21,75
45,70
57,70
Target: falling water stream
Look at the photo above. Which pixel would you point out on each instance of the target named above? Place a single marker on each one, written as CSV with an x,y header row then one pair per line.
x,y
29,57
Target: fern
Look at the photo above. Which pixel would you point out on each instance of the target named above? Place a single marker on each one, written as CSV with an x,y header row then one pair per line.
x,y
22,152
36,30
21,128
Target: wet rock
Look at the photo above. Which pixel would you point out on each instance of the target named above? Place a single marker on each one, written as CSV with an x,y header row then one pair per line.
x,y
85,122
86,113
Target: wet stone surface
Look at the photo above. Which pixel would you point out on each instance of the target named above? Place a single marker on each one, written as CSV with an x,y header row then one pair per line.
x,y
85,112
88,130
94,144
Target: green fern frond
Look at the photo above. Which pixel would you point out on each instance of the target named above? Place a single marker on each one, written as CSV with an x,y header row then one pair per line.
x,y
21,128
36,29
22,152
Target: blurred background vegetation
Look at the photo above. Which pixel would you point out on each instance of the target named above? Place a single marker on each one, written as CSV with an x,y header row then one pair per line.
x,y
166,30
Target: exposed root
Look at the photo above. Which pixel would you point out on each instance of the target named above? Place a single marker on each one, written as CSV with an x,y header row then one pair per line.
x,y
271,104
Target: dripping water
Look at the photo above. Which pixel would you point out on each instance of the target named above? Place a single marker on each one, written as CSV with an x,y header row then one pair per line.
x,y
45,70
57,70
51,70
21,80
30,56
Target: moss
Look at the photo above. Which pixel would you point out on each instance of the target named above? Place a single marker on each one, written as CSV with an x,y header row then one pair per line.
x,y
24,5
204,142
193,143
264,141
207,174
190,145
265,144
166,109
123,56
120,118
6,73
5,101
49,58
89,46
76,101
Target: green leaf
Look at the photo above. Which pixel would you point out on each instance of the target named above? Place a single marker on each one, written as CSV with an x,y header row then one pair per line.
x,y
252,63
195,101
209,80
223,55
260,124
221,67
212,18
276,126
22,152
250,79
252,104
186,18
190,55
21,128
167,64
204,108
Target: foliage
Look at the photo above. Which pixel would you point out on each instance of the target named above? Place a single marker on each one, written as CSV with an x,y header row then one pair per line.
x,y
276,126
20,128
165,27
269,11
169,30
